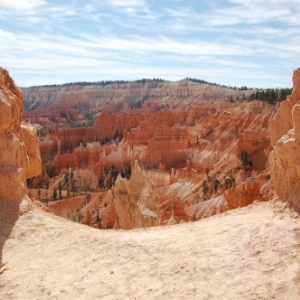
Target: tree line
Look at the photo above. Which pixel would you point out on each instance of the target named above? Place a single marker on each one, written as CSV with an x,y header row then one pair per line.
x,y
242,88
102,82
271,96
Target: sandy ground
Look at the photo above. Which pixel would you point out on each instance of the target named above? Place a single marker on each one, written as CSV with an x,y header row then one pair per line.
x,y
249,253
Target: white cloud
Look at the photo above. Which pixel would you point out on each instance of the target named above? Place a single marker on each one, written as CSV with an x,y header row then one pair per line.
x,y
7,35
128,3
138,44
182,13
21,4
170,39
238,12
253,12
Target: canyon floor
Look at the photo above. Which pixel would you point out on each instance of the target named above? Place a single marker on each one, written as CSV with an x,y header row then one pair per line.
x,y
247,253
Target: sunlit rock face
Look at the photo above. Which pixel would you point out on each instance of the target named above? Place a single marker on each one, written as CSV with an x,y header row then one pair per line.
x,y
283,120
285,157
136,201
19,152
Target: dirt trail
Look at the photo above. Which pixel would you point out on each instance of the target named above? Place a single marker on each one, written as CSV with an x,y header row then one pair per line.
x,y
249,253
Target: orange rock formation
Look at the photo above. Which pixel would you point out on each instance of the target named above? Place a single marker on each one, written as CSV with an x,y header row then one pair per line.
x,y
19,158
187,137
285,157
136,201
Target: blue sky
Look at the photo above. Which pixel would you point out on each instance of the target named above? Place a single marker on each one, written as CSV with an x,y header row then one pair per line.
x,y
234,42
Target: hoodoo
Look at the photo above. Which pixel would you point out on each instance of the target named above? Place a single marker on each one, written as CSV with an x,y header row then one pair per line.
x,y
136,200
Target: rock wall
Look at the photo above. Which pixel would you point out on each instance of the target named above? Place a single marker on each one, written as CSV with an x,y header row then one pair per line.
x,y
283,119
285,157
19,153
19,157
243,195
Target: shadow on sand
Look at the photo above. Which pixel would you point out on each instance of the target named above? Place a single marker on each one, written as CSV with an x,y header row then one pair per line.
x,y
9,214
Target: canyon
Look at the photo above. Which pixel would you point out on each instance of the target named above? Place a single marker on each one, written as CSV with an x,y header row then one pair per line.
x,y
187,138
251,252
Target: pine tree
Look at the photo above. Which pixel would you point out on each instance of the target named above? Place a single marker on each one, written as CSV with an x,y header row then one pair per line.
x,y
54,196
244,158
204,186
60,190
216,184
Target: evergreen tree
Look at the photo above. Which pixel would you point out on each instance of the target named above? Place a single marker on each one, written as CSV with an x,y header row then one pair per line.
x,y
60,190
204,186
244,158
216,184
54,196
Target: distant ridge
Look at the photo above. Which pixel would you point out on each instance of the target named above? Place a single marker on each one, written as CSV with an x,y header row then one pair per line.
x,y
102,82
286,90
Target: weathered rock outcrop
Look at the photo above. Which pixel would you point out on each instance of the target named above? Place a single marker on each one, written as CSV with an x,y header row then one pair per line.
x,y
285,157
172,212
207,208
19,154
283,121
243,195
136,201
19,157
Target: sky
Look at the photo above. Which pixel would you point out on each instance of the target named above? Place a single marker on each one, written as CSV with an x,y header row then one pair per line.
x,y
251,43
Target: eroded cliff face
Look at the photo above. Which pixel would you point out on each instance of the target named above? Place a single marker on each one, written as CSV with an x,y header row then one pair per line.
x,y
19,153
285,157
19,156
136,201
